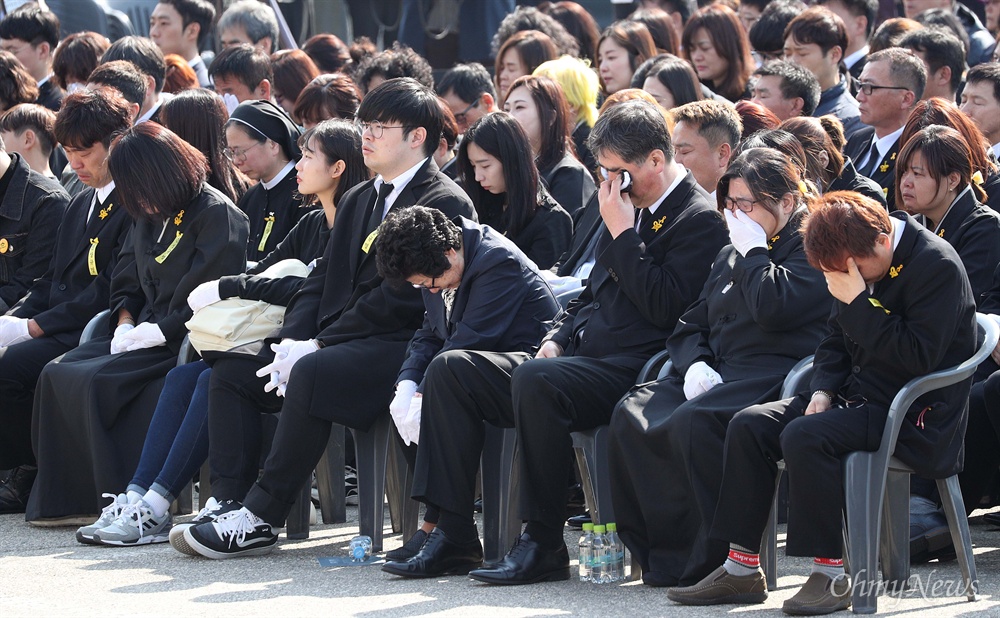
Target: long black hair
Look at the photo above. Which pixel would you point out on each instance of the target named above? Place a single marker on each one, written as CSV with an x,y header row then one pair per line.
x,y
503,138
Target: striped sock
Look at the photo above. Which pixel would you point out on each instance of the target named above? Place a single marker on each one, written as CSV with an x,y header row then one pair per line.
x,y
741,561
831,567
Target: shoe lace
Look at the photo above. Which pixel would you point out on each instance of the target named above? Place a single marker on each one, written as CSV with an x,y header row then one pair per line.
x,y
205,511
132,515
115,508
517,549
236,525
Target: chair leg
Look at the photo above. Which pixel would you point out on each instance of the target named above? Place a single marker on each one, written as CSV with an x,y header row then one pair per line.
x,y
586,480
499,478
185,500
372,448
769,542
598,461
863,496
297,524
330,479
404,512
954,510
894,546
204,485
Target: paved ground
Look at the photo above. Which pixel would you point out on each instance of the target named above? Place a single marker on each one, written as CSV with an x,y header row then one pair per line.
x,y
46,572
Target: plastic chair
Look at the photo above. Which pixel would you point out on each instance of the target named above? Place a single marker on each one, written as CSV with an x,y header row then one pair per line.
x,y
501,526
93,326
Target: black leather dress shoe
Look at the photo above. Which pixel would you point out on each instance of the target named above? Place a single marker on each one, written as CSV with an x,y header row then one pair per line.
x,y
15,488
527,563
409,548
439,556
576,522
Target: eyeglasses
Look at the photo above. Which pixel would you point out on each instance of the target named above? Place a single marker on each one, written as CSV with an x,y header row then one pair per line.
x,y
238,153
743,203
460,116
868,89
376,127
421,286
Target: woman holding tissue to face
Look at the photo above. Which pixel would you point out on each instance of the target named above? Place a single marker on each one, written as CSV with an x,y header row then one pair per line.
x,y
763,308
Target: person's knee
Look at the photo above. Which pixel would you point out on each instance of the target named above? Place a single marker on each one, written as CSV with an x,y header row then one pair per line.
x,y
445,366
799,440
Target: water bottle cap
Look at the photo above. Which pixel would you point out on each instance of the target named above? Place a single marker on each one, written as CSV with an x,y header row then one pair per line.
x,y
599,529
612,527
588,527
358,552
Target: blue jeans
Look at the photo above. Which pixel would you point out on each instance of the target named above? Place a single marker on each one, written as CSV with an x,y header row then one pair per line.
x,y
177,441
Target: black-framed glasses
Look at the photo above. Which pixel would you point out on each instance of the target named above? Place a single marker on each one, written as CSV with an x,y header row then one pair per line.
x,y
376,127
868,89
238,153
421,286
460,116
745,204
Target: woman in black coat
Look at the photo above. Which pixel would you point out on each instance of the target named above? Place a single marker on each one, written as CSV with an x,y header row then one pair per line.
x,y
498,174
92,408
762,310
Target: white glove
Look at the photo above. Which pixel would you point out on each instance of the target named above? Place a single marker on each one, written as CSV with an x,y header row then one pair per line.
x,y
286,354
118,342
399,408
231,102
145,335
204,295
744,232
412,423
700,378
13,330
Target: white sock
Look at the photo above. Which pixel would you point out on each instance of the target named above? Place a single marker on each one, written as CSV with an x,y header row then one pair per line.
x,y
133,496
156,502
832,568
741,561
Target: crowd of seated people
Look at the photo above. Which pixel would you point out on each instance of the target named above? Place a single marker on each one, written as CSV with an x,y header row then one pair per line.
x,y
743,185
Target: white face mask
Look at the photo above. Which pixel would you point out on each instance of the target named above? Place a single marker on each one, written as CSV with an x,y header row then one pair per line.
x,y
75,87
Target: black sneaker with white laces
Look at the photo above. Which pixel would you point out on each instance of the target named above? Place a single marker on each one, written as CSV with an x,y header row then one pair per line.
x,y
237,533
208,513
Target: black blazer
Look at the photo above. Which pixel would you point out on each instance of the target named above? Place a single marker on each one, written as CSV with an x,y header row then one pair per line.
x,y
637,290
502,304
586,224
155,275
757,315
50,95
885,171
569,183
547,235
344,298
281,206
920,318
64,299
30,213
851,180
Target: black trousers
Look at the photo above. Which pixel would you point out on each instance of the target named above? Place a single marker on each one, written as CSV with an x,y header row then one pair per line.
x,y
324,388
545,399
812,447
982,441
20,366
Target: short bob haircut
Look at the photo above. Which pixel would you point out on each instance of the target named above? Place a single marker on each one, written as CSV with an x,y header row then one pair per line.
x,y
337,140
632,130
674,74
16,84
157,174
414,241
328,52
554,121
38,118
502,137
332,95
89,117
199,117
944,152
769,175
532,47
815,139
731,44
578,82
943,112
843,224
77,57
293,69
634,38
408,102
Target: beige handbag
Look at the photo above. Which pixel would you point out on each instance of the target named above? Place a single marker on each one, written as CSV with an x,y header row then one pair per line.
x,y
233,322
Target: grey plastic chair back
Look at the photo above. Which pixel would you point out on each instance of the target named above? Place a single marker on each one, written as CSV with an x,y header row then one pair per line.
x,y
93,327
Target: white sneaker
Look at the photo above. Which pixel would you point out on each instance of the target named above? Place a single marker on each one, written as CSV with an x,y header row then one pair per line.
x,y
118,503
137,525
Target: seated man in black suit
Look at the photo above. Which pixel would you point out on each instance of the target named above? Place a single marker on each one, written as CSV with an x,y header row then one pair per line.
x,y
48,320
653,256
903,308
345,334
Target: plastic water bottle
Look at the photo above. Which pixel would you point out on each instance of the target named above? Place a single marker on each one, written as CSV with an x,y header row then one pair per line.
x,y
601,557
586,551
617,553
360,548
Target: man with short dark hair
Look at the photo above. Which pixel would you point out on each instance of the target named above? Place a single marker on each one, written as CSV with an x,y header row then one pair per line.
x,y
468,91
653,256
148,58
903,308
180,27
786,88
891,84
242,73
816,40
29,130
981,101
251,22
767,35
943,55
32,34
706,133
343,340
72,287
859,18
124,77
981,42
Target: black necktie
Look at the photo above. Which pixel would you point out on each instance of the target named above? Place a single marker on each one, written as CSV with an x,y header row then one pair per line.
x,y
872,162
645,224
376,217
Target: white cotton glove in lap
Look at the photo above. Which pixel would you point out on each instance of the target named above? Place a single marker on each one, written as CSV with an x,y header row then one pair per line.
x,y
286,354
204,295
118,343
700,378
399,407
13,330
145,335
744,232
412,423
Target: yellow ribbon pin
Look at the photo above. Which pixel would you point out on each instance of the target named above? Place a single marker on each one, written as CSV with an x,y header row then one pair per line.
x,y
770,245
179,218
875,303
941,233
883,168
92,256
366,247
105,212
268,226
173,245
658,223
894,271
